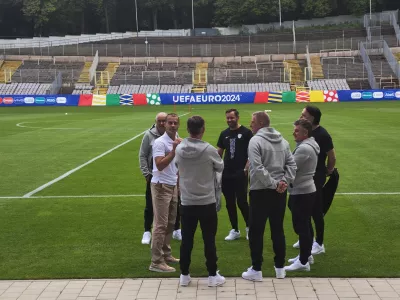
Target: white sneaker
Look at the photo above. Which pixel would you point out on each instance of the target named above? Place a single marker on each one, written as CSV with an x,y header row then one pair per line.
x,y
146,238
317,249
177,235
247,233
216,280
298,266
252,275
310,259
233,235
297,244
184,280
280,273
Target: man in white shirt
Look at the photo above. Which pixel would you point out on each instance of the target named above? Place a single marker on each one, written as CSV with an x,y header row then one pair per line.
x,y
165,196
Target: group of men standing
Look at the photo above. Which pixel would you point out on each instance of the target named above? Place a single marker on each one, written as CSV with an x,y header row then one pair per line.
x,y
191,167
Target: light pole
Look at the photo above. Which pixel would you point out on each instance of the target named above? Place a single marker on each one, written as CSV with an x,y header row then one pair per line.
x,y
193,16
280,15
370,9
137,23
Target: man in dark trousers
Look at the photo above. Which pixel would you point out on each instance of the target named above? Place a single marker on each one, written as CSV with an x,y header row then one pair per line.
x,y
234,141
198,162
302,193
313,114
272,169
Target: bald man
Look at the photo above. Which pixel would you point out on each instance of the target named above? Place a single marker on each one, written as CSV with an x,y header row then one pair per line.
x,y
272,169
146,166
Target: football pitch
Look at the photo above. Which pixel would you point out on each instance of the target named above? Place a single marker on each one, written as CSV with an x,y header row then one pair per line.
x,y
72,195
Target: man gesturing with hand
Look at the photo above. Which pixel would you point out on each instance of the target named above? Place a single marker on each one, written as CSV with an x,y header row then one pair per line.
x,y
165,196
272,168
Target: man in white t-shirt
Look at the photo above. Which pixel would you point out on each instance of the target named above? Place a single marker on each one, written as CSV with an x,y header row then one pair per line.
x,y
165,196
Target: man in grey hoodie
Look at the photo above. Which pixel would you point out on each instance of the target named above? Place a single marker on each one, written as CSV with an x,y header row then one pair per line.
x,y
146,166
272,168
303,192
197,163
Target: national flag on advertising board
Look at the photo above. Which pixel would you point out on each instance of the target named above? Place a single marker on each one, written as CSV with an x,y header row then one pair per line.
x,y
126,99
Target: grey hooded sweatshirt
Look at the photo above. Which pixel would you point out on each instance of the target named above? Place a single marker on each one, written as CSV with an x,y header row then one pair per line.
x,y
271,160
197,162
146,151
306,158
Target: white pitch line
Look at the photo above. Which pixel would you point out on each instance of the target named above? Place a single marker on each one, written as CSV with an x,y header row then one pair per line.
x,y
47,128
370,193
42,187
142,195
71,196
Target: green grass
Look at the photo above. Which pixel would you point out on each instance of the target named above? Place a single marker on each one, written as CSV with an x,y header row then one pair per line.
x,y
99,237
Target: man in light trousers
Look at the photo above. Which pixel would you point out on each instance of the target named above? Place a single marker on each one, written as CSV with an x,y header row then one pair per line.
x,y
165,196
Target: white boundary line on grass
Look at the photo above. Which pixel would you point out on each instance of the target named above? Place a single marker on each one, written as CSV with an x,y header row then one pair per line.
x,y
142,195
47,128
42,187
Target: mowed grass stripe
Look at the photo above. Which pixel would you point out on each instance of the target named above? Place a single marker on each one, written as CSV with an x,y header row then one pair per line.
x,y
32,157
100,238
117,173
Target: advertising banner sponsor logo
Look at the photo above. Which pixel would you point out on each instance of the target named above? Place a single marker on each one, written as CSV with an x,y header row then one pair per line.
x,y
377,95
389,95
50,100
61,100
356,95
29,100
8,100
19,100
366,95
40,100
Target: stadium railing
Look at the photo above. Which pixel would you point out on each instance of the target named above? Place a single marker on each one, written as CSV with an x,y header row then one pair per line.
x,y
56,85
396,27
368,67
391,60
93,68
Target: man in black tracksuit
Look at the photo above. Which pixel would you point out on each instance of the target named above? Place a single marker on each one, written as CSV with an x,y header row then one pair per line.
x,y
234,141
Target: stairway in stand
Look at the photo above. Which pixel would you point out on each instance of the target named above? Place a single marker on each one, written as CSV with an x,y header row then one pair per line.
x,y
317,72
104,78
293,68
8,69
200,78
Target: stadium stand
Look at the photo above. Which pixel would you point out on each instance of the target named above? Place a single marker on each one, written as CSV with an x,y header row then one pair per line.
x,y
82,88
252,87
46,71
328,84
24,89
